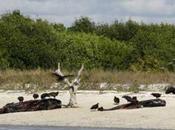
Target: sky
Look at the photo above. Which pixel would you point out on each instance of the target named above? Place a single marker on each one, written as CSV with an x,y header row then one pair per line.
x,y
100,11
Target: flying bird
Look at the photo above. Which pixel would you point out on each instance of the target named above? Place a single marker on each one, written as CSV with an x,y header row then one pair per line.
x,y
35,95
53,94
21,99
94,107
157,95
116,100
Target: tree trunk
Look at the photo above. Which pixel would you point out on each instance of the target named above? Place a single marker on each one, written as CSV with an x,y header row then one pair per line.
x,y
73,99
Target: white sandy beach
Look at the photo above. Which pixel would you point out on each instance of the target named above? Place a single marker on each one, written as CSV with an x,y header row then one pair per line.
x,y
160,117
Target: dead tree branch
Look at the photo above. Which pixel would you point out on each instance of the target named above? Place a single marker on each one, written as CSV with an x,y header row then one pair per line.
x,y
73,85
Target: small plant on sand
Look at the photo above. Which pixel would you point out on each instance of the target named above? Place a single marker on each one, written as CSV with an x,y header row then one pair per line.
x,y
134,87
120,89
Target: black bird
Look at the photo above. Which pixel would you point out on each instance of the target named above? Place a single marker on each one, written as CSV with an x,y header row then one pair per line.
x,y
21,99
100,109
170,89
128,98
116,100
94,107
35,95
53,94
134,100
60,77
157,95
44,95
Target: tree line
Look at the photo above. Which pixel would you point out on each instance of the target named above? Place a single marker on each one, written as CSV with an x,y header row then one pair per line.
x,y
28,44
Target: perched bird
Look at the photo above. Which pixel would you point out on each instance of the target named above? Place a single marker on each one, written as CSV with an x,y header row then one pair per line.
x,y
44,95
53,94
21,99
131,99
157,95
134,100
94,107
35,95
128,98
170,89
116,100
100,109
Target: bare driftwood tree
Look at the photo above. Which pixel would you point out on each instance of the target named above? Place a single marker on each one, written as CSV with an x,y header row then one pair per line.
x,y
73,85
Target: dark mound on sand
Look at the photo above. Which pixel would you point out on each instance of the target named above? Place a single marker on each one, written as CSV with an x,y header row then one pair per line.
x,y
31,105
133,105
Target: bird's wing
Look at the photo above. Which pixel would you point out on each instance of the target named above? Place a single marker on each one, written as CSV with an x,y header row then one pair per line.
x,y
68,75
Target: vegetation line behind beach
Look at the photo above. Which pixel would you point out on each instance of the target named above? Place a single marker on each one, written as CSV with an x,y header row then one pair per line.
x,y
40,79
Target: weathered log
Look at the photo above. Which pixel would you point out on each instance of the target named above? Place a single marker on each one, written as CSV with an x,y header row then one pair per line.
x,y
140,104
31,105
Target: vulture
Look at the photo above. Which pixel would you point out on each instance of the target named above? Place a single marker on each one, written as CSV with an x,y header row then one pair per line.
x,y
94,107
116,100
35,95
157,95
53,94
21,99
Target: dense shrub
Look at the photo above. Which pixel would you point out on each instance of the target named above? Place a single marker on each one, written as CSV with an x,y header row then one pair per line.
x,y
95,51
28,44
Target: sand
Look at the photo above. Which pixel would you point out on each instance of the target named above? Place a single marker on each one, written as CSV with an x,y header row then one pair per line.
x,y
159,117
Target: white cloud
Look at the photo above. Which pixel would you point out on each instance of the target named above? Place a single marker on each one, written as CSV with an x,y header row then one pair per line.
x,y
65,11
149,8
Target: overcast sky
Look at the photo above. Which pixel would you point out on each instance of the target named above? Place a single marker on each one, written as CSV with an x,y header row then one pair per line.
x,y
66,11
